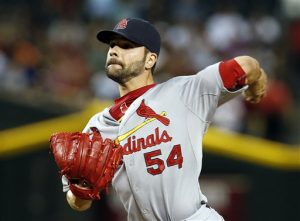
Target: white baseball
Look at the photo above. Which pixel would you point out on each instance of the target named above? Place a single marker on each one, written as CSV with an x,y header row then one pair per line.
x,y
77,203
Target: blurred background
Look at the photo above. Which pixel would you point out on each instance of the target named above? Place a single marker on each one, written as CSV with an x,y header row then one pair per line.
x,y
52,66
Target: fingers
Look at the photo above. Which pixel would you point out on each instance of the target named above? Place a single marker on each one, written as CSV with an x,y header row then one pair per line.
x,y
254,99
257,90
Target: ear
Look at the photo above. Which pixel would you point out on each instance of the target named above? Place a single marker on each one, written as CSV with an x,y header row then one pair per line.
x,y
151,59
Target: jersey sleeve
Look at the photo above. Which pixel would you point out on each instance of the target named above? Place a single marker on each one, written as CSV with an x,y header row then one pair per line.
x,y
105,123
204,92
91,123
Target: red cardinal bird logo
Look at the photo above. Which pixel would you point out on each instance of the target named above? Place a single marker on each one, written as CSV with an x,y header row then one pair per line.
x,y
147,112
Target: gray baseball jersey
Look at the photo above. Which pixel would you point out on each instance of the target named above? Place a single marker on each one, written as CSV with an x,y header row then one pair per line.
x,y
161,134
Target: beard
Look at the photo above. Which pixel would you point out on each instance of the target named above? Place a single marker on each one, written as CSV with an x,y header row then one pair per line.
x,y
121,73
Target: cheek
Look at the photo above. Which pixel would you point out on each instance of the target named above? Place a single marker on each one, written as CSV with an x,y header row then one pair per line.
x,y
134,57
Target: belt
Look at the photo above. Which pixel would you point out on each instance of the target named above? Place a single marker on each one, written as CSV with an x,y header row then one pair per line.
x,y
204,203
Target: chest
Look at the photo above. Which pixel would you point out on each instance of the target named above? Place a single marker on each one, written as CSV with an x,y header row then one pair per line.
x,y
154,136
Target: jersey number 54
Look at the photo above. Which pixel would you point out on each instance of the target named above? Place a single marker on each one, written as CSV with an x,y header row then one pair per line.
x,y
156,165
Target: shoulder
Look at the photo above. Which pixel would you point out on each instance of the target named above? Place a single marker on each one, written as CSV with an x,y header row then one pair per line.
x,y
170,86
214,68
208,74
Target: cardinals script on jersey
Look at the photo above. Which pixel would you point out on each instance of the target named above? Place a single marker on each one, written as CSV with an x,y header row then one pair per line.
x,y
134,144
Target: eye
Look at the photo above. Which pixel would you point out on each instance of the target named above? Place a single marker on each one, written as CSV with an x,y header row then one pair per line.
x,y
126,45
122,44
112,44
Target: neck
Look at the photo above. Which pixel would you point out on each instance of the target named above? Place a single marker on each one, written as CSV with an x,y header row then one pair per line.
x,y
135,83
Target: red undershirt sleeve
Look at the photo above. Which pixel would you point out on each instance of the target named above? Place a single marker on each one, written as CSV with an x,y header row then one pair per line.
x,y
232,74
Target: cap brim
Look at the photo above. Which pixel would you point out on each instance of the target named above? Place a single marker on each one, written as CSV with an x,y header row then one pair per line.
x,y
107,36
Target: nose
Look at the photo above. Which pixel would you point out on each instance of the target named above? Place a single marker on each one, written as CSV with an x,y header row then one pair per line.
x,y
113,51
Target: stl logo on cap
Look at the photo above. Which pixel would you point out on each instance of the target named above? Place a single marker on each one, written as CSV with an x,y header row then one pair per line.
x,y
122,24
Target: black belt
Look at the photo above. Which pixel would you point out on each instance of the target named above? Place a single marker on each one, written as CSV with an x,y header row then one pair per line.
x,y
205,203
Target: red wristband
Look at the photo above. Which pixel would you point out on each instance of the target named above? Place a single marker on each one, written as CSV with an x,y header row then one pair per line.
x,y
232,74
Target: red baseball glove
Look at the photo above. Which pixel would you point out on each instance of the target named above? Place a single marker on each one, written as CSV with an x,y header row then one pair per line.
x,y
86,160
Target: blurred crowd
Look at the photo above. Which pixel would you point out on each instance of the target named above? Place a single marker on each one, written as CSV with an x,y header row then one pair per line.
x,y
48,50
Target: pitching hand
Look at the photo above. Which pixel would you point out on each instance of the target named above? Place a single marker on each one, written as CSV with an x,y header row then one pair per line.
x,y
257,90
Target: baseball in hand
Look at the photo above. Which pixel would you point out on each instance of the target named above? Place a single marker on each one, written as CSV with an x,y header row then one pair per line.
x,y
77,203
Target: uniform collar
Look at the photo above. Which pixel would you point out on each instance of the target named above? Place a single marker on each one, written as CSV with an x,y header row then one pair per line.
x,y
122,104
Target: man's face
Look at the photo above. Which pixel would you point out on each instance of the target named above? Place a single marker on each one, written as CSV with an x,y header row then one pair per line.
x,y
125,60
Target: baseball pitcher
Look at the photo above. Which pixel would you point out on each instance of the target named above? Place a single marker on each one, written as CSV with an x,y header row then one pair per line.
x,y
149,143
